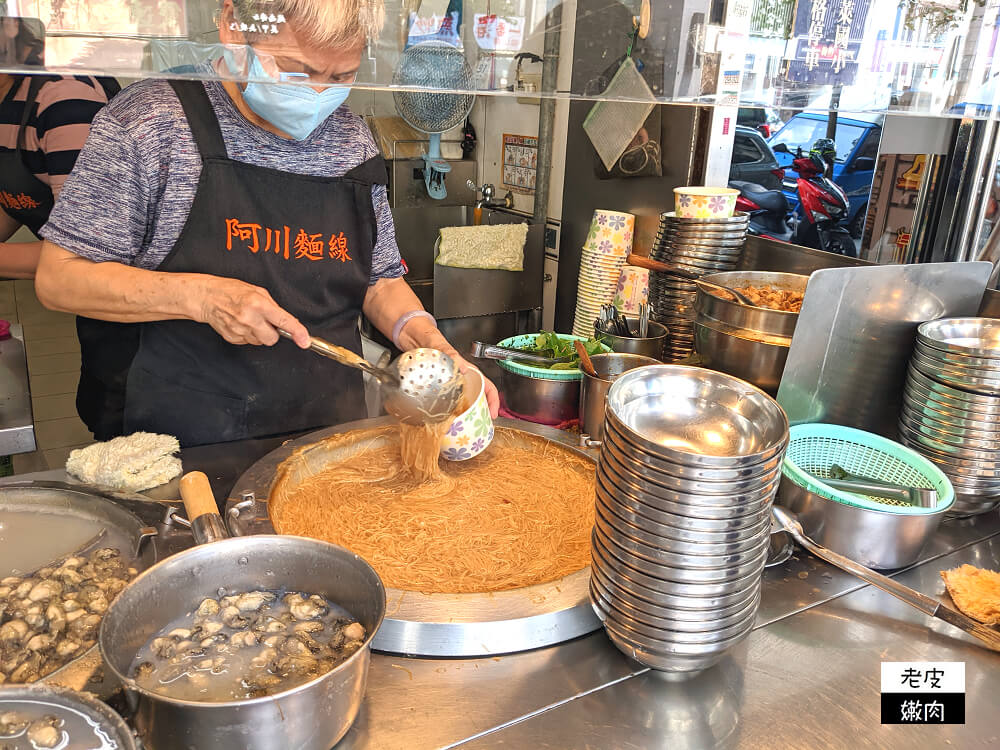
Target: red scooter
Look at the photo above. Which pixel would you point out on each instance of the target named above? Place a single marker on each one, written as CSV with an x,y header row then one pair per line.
x,y
823,202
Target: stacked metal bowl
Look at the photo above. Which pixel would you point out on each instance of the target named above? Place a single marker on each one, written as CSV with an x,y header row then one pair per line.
x,y
951,407
703,246
689,467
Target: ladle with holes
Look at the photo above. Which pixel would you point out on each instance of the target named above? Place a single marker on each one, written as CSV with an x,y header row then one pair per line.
x,y
421,386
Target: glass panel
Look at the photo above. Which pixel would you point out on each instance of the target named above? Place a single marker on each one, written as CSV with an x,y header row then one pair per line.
x,y
870,56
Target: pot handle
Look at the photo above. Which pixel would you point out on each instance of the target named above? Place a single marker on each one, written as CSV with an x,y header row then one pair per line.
x,y
202,512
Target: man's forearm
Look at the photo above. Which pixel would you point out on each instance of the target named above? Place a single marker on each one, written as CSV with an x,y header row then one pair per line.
x,y
112,291
18,260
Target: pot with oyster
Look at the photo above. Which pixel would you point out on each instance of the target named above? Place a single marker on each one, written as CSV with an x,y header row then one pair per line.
x,y
245,643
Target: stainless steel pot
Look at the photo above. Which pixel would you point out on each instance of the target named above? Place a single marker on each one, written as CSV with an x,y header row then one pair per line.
x,y
540,400
594,391
86,721
748,342
876,539
312,716
731,351
648,346
759,319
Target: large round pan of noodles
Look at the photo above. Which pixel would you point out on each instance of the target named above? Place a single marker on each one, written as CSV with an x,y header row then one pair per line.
x,y
493,558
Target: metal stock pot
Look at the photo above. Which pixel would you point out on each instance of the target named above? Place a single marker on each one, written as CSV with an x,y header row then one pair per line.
x,y
748,342
311,716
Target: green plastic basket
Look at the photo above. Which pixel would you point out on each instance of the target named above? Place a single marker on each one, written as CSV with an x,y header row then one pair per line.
x,y
540,373
814,448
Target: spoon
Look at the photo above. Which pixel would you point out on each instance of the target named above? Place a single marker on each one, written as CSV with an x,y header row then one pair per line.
x,y
585,363
421,386
683,273
928,605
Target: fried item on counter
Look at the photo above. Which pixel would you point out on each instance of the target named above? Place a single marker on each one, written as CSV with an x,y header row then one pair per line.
x,y
975,591
773,298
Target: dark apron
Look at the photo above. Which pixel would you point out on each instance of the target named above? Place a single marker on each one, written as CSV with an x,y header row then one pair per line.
x,y
309,242
23,196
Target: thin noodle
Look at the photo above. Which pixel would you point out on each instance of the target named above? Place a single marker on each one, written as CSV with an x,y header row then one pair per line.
x,y
517,515
420,447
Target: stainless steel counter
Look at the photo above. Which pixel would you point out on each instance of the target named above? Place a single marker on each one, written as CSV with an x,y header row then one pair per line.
x,y
17,431
808,676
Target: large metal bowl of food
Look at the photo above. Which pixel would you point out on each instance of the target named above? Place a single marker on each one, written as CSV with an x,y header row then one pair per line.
x,y
749,342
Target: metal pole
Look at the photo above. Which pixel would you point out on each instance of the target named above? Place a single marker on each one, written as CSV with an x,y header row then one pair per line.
x,y
831,121
547,110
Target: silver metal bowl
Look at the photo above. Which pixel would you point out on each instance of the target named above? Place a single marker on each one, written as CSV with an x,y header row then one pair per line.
x,y
637,454
678,666
947,448
702,518
626,551
671,525
963,379
919,397
677,645
688,635
615,559
708,623
698,417
683,609
706,486
643,528
960,360
738,218
977,337
949,393
728,551
924,419
875,538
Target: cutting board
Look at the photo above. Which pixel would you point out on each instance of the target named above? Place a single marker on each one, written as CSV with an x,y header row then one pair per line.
x,y
853,340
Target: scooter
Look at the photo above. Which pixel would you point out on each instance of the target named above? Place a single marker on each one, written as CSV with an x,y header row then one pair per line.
x,y
824,205
768,210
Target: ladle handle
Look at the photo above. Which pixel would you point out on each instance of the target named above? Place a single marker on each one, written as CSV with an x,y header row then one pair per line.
x,y
683,273
202,512
585,363
334,352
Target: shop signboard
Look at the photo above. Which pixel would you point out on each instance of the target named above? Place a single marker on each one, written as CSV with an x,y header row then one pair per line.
x,y
827,36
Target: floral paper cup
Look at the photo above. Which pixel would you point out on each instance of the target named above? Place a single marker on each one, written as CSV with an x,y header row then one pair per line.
x,y
633,289
472,430
705,202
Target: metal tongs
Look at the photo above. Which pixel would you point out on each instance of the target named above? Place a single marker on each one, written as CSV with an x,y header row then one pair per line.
x,y
926,604
491,351
421,386
916,496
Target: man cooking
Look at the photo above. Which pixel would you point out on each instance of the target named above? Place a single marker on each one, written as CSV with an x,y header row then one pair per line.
x,y
214,214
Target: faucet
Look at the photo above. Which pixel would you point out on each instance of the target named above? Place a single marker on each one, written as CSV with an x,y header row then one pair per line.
x,y
489,191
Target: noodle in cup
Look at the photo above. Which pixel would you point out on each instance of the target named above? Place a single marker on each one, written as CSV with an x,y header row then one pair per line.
x,y
705,202
471,432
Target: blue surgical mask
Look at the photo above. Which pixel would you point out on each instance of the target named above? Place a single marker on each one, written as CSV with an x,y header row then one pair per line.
x,y
294,108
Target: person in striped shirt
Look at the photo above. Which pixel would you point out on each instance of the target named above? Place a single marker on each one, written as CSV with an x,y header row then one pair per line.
x,y
44,122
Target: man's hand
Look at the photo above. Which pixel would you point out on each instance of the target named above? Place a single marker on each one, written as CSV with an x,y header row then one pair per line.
x,y
244,314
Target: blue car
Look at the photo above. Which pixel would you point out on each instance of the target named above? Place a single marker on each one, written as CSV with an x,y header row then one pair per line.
x,y
857,141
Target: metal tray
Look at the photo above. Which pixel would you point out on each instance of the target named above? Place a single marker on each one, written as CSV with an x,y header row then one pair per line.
x,y
418,624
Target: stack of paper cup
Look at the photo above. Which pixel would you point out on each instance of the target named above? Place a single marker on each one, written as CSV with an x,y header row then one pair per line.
x,y
608,244
633,289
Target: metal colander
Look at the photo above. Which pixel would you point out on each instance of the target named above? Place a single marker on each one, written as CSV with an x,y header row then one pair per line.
x,y
433,65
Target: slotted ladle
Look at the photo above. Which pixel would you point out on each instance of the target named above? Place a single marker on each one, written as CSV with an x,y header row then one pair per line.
x,y
421,386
